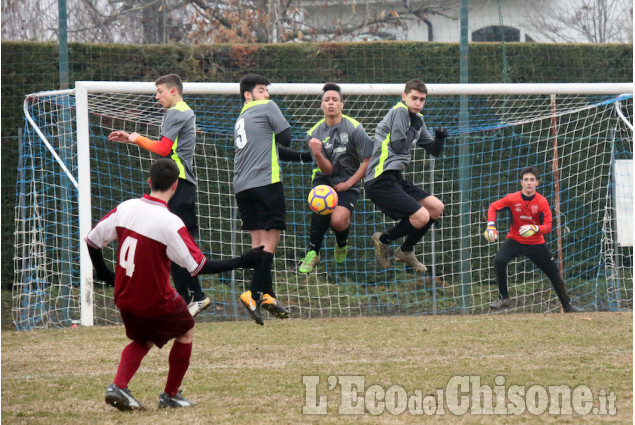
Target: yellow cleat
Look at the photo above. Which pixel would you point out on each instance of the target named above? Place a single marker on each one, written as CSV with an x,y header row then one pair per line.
x,y
252,307
274,307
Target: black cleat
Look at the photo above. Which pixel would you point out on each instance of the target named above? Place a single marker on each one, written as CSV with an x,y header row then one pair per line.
x,y
174,402
122,399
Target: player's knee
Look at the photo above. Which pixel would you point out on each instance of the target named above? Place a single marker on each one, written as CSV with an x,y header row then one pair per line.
x,y
340,222
435,208
420,218
500,261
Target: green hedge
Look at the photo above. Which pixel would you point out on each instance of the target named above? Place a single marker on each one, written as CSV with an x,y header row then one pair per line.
x,y
29,67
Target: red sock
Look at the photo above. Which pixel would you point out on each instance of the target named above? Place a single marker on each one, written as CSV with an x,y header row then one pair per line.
x,y
131,357
179,362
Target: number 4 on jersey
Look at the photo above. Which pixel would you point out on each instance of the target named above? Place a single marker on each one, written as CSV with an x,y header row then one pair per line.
x,y
126,255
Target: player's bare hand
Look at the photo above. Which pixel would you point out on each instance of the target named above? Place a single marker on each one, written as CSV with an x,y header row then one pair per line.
x,y
342,187
315,145
119,136
132,138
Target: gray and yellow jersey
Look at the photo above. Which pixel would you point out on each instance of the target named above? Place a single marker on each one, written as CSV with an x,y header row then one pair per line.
x,y
256,153
345,145
179,125
391,151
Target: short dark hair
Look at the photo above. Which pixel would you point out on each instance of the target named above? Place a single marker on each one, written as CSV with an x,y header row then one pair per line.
x,y
171,81
415,85
249,82
529,170
163,173
333,87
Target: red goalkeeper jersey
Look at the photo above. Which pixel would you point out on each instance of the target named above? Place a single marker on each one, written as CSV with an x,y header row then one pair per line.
x,y
149,236
532,210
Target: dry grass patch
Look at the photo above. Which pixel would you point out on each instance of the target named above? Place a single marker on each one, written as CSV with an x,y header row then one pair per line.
x,y
241,373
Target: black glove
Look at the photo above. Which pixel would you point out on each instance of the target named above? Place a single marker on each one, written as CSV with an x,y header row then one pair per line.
x,y
107,276
110,280
253,258
416,121
440,134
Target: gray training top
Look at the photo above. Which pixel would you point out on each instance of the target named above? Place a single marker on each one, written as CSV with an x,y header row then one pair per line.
x,y
256,157
179,125
345,145
390,150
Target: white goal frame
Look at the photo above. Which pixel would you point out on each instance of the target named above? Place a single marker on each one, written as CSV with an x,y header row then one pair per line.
x,y
83,88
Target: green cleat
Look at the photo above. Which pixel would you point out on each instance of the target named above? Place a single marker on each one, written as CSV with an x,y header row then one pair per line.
x,y
311,260
340,253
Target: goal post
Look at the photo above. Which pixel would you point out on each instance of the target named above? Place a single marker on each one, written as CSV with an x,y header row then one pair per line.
x,y
510,126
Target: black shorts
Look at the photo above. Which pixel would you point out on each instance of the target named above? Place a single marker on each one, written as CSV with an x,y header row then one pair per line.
x,y
347,199
394,196
159,330
183,204
262,208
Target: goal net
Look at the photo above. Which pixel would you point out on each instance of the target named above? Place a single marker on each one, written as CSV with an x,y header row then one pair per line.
x,y
579,137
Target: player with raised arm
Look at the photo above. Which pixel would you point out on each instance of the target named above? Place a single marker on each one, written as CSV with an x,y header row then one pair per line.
x,y
150,237
259,129
531,219
342,151
178,139
416,209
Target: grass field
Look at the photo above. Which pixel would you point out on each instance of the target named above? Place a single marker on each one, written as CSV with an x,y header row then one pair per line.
x,y
241,373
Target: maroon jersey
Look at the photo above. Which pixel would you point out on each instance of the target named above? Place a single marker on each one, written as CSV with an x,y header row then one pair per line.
x,y
534,210
149,236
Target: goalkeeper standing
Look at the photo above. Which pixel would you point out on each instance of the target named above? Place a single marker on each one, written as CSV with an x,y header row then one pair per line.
x,y
416,209
178,139
531,219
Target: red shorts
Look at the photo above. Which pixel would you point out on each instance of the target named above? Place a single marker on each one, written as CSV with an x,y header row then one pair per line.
x,y
159,330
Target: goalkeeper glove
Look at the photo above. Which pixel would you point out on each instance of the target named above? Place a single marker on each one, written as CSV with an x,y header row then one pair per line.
x,y
416,121
528,230
440,134
491,234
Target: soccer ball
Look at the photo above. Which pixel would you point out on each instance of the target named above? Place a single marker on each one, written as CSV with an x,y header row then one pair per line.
x,y
323,199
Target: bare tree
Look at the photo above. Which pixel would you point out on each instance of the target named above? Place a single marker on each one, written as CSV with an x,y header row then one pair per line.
x,y
271,21
598,21
38,21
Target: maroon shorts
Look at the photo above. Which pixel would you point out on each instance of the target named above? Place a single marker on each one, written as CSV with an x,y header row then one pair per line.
x,y
159,330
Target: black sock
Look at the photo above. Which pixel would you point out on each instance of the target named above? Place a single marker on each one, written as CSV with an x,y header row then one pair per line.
x,y
341,237
267,264
261,281
319,226
402,228
415,236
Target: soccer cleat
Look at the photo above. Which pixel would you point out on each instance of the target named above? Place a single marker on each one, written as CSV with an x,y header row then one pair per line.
x,y
409,258
311,260
340,253
122,399
274,307
196,307
381,251
252,307
570,308
500,303
175,402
